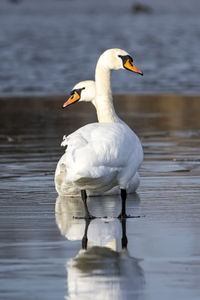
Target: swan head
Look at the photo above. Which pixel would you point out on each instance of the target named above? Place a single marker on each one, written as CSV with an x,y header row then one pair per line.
x,y
115,59
82,91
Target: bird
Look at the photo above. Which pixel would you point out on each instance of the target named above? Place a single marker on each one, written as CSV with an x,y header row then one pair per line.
x,y
104,155
86,90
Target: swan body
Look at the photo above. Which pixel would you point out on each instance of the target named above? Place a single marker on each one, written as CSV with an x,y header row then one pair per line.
x,y
98,157
101,157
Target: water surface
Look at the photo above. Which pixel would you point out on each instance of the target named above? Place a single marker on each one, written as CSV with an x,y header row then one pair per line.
x,y
40,248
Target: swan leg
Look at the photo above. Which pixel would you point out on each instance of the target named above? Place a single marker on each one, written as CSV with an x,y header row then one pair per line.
x,y
85,239
84,198
123,211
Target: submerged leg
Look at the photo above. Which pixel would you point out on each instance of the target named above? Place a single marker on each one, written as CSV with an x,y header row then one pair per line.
x,y
84,198
123,211
85,239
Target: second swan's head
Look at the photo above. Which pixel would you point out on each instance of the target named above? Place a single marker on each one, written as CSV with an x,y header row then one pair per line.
x,y
82,91
115,59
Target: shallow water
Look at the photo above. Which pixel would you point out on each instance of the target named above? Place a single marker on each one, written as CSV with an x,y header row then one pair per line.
x,y
40,248
47,46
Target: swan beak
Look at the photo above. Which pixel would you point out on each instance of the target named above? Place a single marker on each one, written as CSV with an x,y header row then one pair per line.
x,y
74,98
131,67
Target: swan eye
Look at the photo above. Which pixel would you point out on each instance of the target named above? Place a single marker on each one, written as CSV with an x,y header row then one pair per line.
x,y
78,91
126,58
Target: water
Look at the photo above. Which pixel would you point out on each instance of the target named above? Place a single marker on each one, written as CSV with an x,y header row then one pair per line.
x,y
48,46
40,248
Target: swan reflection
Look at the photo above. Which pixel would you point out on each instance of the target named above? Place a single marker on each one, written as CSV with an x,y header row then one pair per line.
x,y
103,268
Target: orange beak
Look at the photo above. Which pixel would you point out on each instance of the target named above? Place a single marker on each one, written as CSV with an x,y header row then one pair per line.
x,y
74,98
131,67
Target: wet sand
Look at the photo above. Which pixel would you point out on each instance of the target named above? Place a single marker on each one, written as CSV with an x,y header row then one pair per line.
x,y
41,243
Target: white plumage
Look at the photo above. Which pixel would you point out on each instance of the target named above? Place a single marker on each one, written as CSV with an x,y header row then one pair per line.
x,y
101,157
98,157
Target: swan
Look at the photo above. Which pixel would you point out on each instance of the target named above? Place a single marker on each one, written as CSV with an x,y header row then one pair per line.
x,y
100,156
86,91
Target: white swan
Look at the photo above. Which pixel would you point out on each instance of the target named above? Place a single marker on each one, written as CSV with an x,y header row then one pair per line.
x,y
85,91
103,155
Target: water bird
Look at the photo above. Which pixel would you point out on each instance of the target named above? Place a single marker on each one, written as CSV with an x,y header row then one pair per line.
x,y
86,90
104,155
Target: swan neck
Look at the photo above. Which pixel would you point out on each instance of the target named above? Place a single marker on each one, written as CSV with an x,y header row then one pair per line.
x,y
103,100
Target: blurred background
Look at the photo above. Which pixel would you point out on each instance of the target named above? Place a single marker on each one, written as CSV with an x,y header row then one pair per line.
x,y
47,46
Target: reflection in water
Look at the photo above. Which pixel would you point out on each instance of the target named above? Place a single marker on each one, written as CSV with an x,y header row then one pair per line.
x,y
103,268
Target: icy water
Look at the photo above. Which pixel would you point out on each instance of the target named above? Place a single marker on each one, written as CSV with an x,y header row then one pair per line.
x,y
41,254
47,46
